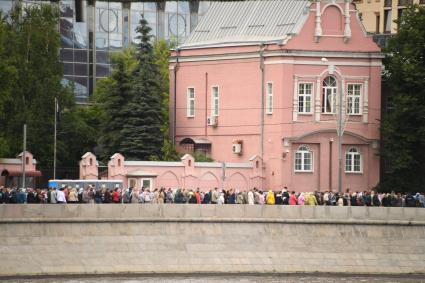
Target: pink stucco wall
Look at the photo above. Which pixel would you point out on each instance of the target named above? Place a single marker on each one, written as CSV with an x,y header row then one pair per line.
x,y
180,174
89,167
15,164
356,60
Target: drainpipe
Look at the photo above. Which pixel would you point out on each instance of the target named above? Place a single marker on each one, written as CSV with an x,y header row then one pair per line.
x,y
206,104
223,174
175,96
262,47
330,163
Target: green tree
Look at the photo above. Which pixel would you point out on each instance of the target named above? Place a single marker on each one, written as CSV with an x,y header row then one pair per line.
x,y
8,76
141,136
78,133
162,55
403,129
112,94
30,79
32,47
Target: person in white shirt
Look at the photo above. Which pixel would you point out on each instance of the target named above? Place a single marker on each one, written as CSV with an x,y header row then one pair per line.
x,y
250,197
60,196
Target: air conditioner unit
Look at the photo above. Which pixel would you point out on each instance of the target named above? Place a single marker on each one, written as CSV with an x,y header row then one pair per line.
x,y
212,121
237,148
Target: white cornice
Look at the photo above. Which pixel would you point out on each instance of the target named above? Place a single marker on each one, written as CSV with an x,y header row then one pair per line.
x,y
311,62
278,53
154,163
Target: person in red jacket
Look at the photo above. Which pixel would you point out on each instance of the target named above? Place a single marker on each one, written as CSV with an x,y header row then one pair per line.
x,y
116,196
198,196
293,199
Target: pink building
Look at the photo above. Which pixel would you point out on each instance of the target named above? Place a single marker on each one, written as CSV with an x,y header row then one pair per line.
x,y
11,171
264,78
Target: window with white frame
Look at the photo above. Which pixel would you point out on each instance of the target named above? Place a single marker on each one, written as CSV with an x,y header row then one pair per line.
x,y
353,161
269,100
146,183
303,159
354,95
304,97
190,102
329,95
214,101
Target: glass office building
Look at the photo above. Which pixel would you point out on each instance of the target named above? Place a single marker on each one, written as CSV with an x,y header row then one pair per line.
x,y
91,30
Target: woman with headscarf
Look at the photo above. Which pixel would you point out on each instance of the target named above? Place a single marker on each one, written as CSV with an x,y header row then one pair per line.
x,y
301,199
270,198
293,199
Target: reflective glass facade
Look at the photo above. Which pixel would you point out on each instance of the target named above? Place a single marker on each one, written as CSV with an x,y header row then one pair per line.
x,y
91,30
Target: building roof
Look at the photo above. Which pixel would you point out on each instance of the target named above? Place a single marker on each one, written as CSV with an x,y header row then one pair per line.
x,y
247,22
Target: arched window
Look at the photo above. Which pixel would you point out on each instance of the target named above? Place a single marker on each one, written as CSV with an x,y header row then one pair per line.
x,y
353,161
187,145
329,95
303,159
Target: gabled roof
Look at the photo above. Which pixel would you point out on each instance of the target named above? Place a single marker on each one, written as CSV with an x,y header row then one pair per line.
x,y
245,22
87,154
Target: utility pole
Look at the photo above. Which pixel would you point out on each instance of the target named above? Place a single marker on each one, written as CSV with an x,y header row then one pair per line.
x,y
55,137
24,158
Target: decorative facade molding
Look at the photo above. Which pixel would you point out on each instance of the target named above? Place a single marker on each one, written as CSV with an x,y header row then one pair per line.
x,y
366,101
317,104
295,101
318,20
347,29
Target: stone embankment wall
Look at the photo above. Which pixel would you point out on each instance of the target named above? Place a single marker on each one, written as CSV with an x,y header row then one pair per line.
x,y
136,239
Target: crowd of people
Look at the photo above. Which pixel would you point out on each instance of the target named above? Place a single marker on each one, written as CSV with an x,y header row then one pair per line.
x,y
214,196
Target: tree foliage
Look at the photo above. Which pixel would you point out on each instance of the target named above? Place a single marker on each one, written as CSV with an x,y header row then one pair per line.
x,y
30,80
403,128
162,55
111,96
141,136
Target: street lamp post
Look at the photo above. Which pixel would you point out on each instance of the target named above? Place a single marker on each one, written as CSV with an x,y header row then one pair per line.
x,y
340,128
55,138
340,134
24,157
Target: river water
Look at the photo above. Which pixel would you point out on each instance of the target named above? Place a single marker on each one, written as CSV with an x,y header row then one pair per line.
x,y
224,279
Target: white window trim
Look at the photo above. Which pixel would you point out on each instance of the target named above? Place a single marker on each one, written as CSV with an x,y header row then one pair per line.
x,y
352,161
311,98
333,103
150,180
312,160
213,100
269,97
360,101
188,100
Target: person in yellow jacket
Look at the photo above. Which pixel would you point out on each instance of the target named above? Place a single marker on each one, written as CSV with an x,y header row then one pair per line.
x,y
270,197
310,199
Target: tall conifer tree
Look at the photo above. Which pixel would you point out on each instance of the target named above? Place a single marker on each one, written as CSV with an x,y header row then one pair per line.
x,y
141,135
113,99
